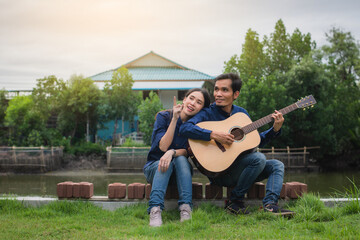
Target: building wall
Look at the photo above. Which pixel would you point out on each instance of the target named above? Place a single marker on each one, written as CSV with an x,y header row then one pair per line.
x,y
167,96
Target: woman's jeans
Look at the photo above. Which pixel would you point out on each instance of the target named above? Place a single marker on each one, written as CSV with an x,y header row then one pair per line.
x,y
179,168
250,168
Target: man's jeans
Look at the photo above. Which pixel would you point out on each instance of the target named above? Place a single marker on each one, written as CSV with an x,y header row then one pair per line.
x,y
250,168
179,168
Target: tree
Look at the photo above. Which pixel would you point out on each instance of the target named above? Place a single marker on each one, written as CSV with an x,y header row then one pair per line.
x,y
3,106
22,118
79,102
311,127
342,59
283,50
277,49
47,94
122,101
147,112
342,55
252,60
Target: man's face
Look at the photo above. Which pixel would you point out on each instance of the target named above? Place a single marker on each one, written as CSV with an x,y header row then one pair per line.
x,y
223,93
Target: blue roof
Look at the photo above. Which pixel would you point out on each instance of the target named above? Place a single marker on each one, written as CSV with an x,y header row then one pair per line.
x,y
157,73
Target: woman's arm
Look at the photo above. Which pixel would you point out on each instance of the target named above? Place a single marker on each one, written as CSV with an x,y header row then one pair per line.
x,y
167,139
168,156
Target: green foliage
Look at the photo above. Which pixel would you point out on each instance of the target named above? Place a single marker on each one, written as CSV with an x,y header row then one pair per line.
x,y
3,106
121,101
34,139
147,111
131,143
22,118
86,149
47,94
79,104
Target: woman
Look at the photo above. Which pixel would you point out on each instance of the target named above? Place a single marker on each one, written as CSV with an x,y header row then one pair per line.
x,y
168,156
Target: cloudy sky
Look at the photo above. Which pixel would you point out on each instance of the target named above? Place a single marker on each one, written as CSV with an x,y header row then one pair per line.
x,y
63,37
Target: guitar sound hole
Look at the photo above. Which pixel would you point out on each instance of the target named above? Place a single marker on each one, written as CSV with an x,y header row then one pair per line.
x,y
238,133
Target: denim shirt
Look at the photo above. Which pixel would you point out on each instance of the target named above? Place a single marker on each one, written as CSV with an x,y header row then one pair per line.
x,y
161,125
215,113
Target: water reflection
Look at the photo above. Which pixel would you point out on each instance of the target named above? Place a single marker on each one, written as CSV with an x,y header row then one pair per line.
x,y
45,184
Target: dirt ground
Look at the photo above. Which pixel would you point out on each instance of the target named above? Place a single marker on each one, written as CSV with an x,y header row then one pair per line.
x,y
91,162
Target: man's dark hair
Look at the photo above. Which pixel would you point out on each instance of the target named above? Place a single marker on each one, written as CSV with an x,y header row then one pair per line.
x,y
236,82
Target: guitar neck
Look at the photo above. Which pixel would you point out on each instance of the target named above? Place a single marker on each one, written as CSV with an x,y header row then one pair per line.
x,y
265,120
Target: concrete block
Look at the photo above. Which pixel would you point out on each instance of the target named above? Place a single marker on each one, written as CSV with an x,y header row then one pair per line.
x,y
197,190
172,192
147,191
213,191
253,192
136,191
61,190
283,191
228,192
76,190
86,190
69,189
116,190
261,189
295,189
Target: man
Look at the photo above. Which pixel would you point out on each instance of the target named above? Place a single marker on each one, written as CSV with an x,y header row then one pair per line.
x,y
247,168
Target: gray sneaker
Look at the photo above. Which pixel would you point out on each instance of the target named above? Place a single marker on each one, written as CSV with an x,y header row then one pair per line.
x,y
185,212
155,217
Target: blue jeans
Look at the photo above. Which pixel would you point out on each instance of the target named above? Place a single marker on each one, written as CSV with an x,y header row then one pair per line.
x,y
250,168
179,168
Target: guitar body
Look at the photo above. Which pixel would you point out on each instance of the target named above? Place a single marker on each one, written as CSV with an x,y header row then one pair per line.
x,y
212,159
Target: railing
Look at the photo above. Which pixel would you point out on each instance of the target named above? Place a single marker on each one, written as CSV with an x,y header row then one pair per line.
x,y
291,157
126,158
26,158
134,158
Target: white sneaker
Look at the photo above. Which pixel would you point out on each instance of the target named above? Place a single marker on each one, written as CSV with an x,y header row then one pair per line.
x,y
185,212
155,217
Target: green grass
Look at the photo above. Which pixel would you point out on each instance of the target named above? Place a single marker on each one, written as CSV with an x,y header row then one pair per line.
x,y
82,220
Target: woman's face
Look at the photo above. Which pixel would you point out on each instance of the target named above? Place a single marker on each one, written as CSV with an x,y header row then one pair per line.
x,y
193,103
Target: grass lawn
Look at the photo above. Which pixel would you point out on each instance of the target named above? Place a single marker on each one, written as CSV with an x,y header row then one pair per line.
x,y
82,220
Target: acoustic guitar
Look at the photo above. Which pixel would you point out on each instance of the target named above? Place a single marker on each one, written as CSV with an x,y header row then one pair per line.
x,y
213,159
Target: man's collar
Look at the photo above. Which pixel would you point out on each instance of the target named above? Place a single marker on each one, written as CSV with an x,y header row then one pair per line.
x,y
222,112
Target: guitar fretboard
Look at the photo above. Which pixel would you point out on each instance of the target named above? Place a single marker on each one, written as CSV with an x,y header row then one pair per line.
x,y
265,120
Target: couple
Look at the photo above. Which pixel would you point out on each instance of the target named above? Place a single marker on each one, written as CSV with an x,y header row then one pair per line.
x,y
167,159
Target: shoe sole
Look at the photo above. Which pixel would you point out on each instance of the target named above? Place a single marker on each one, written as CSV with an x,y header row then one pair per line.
x,y
284,214
233,212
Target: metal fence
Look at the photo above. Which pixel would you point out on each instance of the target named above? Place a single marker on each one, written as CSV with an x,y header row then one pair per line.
x,y
134,158
126,158
30,158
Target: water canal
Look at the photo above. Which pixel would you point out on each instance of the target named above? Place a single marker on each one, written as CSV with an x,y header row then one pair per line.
x,y
45,184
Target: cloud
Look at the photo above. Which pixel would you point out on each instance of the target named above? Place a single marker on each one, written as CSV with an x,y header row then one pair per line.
x,y
63,37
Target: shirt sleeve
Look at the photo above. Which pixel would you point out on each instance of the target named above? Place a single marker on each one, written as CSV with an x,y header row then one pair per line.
x,y
267,136
160,127
190,130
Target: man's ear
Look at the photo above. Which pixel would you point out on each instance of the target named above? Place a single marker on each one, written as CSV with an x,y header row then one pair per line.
x,y
236,94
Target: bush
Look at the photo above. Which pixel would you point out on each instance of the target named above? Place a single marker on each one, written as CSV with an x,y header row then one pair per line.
x,y
86,149
131,143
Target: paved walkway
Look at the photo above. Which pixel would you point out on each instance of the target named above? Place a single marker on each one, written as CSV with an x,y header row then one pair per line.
x,y
112,205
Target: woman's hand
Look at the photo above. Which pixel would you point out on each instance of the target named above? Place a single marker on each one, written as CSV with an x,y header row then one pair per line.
x,y
165,160
176,109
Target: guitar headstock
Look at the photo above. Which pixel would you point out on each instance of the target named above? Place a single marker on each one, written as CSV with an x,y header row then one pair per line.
x,y
306,102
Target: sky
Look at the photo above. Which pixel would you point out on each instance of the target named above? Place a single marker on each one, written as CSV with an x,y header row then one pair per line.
x,y
39,38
